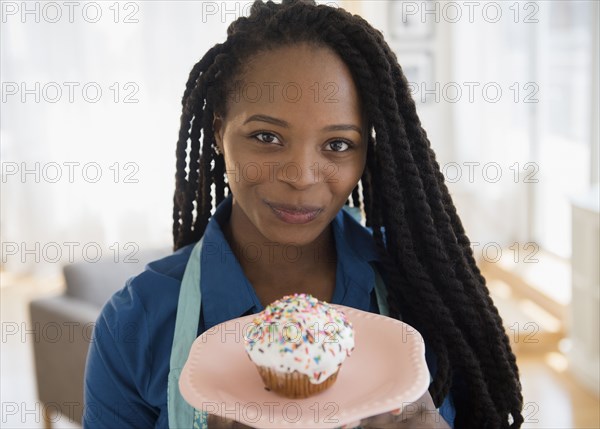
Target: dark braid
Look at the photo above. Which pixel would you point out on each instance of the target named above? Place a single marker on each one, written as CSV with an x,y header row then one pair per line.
x,y
426,258
499,354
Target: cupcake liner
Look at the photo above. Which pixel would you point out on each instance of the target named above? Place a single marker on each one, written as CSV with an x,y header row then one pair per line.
x,y
293,385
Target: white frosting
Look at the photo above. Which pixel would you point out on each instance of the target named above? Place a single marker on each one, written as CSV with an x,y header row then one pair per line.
x,y
300,333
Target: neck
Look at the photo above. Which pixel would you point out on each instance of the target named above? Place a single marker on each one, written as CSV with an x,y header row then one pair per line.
x,y
276,269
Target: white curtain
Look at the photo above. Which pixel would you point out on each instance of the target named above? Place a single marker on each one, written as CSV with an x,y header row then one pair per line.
x,y
101,164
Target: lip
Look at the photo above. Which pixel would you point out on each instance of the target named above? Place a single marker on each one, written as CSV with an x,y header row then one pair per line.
x,y
295,214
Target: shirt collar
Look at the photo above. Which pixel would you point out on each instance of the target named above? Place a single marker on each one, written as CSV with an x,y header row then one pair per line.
x,y
356,251
227,293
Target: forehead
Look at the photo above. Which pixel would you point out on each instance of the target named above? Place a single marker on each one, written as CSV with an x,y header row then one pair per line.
x,y
301,80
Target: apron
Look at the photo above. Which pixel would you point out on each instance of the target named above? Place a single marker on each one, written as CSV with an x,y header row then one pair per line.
x,y
181,414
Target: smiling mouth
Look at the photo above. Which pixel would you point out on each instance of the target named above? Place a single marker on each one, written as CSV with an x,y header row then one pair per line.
x,y
295,214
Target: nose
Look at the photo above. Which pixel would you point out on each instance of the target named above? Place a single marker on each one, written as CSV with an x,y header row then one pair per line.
x,y
301,169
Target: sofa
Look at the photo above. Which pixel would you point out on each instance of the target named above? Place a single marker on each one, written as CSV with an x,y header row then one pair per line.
x,y
65,324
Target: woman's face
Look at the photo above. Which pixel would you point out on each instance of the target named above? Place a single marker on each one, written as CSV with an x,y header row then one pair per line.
x,y
294,142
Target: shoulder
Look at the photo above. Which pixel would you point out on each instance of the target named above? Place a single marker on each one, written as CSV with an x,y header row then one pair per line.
x,y
154,291
354,219
171,266
350,222
160,277
128,358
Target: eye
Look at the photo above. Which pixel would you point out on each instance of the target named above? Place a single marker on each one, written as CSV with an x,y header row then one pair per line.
x,y
339,146
266,137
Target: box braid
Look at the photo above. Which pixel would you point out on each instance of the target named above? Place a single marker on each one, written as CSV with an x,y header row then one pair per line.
x,y
432,277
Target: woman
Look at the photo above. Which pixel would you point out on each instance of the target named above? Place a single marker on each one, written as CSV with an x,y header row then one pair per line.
x,y
303,110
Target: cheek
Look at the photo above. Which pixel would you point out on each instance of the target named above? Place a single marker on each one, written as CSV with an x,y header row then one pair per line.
x,y
345,176
245,169
341,178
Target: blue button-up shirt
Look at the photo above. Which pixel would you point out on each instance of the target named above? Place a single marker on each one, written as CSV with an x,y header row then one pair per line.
x,y
128,361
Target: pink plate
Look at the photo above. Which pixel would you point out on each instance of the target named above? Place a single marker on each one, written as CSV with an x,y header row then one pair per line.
x,y
387,370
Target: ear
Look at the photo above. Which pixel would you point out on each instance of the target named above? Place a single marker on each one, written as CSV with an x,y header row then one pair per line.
x,y
219,129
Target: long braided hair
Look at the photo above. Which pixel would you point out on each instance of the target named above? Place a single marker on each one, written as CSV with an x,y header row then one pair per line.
x,y
433,280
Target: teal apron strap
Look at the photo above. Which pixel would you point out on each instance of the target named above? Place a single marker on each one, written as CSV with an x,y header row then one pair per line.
x,y
381,293
181,414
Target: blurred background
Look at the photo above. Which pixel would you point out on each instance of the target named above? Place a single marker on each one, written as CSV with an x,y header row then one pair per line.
x,y
91,99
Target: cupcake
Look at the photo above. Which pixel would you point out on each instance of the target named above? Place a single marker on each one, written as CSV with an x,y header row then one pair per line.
x,y
298,345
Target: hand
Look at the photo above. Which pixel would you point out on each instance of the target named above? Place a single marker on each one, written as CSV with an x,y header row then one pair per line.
x,y
419,414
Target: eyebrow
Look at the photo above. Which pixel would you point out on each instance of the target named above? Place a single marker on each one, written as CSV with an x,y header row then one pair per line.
x,y
282,123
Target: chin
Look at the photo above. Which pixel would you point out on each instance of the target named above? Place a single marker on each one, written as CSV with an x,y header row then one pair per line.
x,y
291,235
